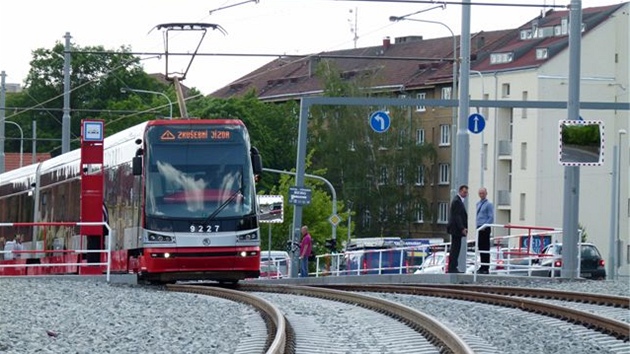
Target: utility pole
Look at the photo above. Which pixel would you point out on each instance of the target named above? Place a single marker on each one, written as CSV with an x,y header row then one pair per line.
x,y
570,207
463,141
65,126
3,91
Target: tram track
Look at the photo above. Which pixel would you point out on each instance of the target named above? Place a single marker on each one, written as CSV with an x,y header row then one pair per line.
x,y
439,335
518,298
279,333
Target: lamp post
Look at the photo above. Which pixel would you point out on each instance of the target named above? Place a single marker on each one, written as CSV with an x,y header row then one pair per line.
x,y
21,140
614,215
453,89
170,103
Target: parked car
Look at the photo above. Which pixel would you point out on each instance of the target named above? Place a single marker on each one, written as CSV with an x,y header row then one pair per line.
x,y
592,265
270,271
280,258
437,262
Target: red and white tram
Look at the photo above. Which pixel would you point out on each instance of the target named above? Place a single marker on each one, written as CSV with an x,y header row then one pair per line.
x,y
180,196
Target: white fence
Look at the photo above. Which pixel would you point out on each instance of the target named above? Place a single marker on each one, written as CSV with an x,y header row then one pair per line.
x,y
16,254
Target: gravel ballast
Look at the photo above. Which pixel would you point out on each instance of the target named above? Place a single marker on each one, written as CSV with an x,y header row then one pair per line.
x,y
43,315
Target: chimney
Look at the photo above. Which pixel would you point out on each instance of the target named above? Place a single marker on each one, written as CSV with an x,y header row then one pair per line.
x,y
386,43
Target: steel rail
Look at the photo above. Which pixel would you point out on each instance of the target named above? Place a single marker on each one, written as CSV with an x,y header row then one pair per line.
x,y
276,323
609,326
437,333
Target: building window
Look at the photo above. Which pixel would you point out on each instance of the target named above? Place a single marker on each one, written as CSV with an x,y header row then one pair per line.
x,y
382,214
382,142
501,58
446,93
445,135
564,25
400,211
442,213
505,90
418,213
420,176
400,176
524,110
383,177
523,156
444,173
421,96
419,136
485,156
367,219
402,137
526,34
521,212
542,53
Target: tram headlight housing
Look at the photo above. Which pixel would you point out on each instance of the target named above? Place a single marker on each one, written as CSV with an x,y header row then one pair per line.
x,y
248,237
160,238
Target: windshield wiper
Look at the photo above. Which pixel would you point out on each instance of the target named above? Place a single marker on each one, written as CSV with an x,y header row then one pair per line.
x,y
225,203
222,206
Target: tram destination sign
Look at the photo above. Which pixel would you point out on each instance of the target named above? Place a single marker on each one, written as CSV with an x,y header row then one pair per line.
x,y
171,134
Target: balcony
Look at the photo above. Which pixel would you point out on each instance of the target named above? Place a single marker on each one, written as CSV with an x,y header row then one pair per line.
x,y
505,149
503,198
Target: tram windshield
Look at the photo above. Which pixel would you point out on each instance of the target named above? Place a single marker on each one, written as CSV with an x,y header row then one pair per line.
x,y
199,179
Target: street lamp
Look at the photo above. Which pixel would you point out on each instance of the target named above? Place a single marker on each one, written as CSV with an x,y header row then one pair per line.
x,y
170,103
454,86
614,215
21,140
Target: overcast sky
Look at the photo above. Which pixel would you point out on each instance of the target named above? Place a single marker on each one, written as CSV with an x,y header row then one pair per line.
x,y
266,26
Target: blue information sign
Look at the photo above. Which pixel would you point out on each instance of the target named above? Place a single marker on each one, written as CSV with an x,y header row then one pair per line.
x,y
299,196
476,123
380,121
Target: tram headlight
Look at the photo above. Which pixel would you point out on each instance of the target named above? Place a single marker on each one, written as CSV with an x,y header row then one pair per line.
x,y
248,237
243,253
160,238
167,255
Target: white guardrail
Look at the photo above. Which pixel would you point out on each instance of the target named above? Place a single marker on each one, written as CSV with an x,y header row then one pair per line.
x,y
507,257
107,251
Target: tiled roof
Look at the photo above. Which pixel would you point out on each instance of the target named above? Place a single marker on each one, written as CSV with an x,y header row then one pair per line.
x,y
524,51
291,77
12,159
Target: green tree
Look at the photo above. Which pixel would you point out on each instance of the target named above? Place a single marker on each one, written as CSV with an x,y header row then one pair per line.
x,y
376,171
315,214
272,128
95,82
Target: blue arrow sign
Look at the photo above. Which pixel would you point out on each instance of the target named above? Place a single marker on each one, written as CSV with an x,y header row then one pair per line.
x,y
476,123
380,121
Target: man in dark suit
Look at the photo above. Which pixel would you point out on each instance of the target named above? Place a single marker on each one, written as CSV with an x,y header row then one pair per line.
x,y
457,227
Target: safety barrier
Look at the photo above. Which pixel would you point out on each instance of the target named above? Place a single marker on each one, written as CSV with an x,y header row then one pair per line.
x,y
520,259
369,261
106,251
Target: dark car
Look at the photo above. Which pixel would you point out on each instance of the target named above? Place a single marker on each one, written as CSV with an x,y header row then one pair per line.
x,y
592,264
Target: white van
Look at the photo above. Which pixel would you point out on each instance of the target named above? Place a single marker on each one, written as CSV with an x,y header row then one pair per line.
x,y
280,259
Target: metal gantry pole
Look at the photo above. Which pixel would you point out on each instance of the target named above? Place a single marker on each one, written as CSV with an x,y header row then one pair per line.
x,y
65,121
463,143
3,75
572,173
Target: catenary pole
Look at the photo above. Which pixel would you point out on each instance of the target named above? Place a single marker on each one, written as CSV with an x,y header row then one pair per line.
x,y
2,115
65,121
463,142
571,201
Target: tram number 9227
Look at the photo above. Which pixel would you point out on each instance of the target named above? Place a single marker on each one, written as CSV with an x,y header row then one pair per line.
x,y
205,229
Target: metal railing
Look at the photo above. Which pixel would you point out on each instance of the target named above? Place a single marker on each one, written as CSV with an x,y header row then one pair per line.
x,y
17,253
